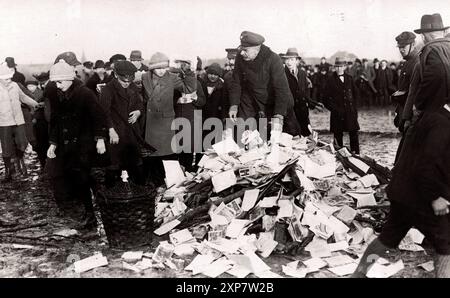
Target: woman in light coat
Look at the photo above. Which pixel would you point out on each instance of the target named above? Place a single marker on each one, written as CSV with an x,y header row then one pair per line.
x,y
158,92
12,124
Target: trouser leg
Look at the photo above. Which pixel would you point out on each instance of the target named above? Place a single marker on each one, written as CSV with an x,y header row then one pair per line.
x,y
354,141
374,251
442,266
338,137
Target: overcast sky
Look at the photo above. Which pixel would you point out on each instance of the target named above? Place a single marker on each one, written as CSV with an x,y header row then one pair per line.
x,y
35,31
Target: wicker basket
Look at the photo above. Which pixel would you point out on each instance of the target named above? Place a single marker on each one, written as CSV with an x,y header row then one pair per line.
x,y
127,212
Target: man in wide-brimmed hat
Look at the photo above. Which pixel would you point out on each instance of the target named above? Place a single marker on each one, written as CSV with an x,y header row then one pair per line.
x,y
340,99
298,84
419,190
435,64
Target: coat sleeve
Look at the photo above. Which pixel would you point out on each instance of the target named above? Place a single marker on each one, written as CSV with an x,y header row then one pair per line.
x,y
105,103
26,99
201,98
235,87
432,74
187,83
328,100
280,86
432,166
96,113
407,113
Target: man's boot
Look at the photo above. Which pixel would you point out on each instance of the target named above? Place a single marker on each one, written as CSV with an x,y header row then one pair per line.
x,y
442,266
88,221
23,167
8,170
374,251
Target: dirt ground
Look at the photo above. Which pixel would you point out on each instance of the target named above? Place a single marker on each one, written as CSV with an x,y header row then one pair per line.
x,y
29,201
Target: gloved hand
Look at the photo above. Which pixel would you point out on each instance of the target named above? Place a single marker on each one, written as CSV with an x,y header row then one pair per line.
x,y
51,151
440,206
113,136
233,113
101,148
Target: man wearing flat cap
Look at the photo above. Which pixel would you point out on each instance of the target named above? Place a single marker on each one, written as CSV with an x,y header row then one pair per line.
x,y
406,43
123,106
259,88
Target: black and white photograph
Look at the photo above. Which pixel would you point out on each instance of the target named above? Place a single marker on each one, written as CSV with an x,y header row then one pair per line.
x,y
205,141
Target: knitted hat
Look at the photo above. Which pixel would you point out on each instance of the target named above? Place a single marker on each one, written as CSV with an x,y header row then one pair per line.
x,y
214,69
5,71
158,60
69,57
62,71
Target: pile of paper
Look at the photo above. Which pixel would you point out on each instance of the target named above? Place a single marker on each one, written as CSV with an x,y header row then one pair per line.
x,y
328,204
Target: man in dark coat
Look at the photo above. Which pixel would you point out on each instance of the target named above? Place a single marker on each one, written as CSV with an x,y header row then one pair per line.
x,y
298,84
99,77
319,83
189,107
259,88
407,46
419,193
384,83
123,107
77,132
340,100
433,88
420,186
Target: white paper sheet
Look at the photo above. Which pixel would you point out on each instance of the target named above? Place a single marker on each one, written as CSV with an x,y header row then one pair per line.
x,y
314,264
174,173
167,227
268,202
344,269
249,200
381,271
359,164
286,209
223,180
235,228
180,237
97,260
226,146
132,256
199,263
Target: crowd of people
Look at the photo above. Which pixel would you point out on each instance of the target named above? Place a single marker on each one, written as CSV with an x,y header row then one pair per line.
x,y
118,115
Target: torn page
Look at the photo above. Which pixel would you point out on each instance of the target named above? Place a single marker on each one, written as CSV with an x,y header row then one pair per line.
x,y
359,164
226,146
